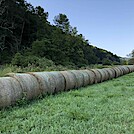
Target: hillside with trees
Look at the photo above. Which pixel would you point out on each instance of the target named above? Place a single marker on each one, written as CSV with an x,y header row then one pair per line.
x,y
26,36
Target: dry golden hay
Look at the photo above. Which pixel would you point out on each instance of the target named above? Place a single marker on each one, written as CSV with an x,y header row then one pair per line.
x,y
59,80
46,82
111,73
70,80
86,77
10,91
97,75
29,84
79,78
92,76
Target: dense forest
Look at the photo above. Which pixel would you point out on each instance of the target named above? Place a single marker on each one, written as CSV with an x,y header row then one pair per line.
x,y
26,36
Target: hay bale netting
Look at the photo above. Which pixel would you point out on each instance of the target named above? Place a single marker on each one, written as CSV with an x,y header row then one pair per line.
x,y
10,91
46,82
28,83
59,80
111,73
70,80
79,78
91,76
97,75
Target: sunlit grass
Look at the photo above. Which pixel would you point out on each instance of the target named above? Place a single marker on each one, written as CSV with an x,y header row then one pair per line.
x,y
106,108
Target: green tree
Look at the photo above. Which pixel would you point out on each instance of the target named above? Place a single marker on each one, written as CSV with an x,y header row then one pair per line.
x,y
62,22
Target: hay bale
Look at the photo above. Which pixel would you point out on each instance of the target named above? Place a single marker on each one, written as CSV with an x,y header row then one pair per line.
x,y
131,68
114,73
91,75
46,82
97,75
70,80
10,91
121,70
111,73
117,72
125,69
59,80
29,84
86,77
107,76
79,78
102,73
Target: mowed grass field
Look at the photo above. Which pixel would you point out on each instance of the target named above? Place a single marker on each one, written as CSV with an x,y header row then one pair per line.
x,y
105,108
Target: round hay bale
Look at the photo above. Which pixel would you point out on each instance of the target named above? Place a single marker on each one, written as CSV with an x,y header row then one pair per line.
x,y
29,84
79,78
70,80
121,70
91,76
131,68
59,80
117,72
125,69
107,76
103,75
111,73
97,75
86,77
114,73
46,82
10,91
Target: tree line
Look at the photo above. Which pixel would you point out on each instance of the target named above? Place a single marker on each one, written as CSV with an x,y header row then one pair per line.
x,y
26,33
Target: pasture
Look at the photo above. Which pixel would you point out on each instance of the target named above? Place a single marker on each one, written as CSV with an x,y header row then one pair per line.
x,y
102,108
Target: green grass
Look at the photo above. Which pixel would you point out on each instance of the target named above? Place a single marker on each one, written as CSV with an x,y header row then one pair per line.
x,y
106,108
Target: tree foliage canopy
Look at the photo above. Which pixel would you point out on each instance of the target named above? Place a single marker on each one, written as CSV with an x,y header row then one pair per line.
x,y
25,29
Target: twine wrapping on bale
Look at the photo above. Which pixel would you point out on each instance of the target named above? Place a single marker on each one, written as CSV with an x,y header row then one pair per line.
x,y
46,82
28,83
10,91
70,80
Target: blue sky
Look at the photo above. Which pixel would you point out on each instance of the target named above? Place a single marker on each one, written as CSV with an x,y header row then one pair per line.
x,y
107,24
